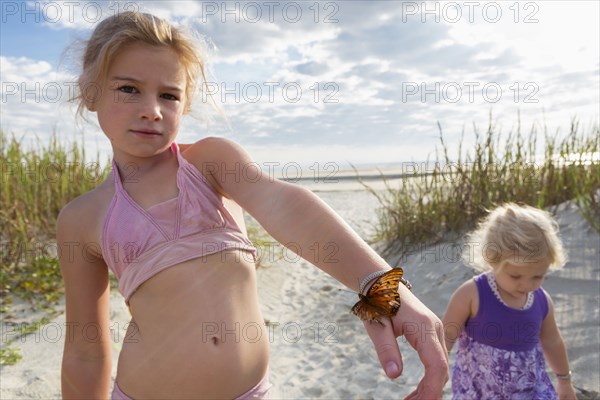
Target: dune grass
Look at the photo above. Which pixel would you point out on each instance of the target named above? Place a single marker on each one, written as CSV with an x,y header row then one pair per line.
x,y
457,189
428,208
36,184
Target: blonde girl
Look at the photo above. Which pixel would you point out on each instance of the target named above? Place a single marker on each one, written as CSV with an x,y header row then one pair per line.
x,y
503,320
167,223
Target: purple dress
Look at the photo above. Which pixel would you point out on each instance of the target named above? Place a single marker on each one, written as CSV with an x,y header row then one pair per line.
x,y
499,355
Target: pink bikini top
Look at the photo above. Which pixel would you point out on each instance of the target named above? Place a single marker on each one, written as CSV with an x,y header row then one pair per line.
x,y
137,244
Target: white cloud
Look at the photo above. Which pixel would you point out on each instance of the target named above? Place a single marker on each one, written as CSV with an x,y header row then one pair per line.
x,y
382,64
35,101
13,68
561,33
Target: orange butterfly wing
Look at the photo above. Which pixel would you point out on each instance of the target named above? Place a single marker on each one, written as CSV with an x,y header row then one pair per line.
x,y
382,298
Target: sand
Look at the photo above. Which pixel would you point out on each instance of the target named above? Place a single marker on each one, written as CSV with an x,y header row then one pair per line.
x,y
319,349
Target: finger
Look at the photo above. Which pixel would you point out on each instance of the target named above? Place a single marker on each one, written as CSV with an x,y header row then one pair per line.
x,y
425,390
412,396
429,344
386,346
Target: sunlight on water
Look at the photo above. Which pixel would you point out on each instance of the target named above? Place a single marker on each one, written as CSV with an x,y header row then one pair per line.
x,y
332,177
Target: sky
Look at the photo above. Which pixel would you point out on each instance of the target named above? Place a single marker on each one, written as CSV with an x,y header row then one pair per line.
x,y
361,82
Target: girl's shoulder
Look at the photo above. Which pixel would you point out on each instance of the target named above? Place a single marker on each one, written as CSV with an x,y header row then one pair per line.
x,y
468,295
83,216
220,160
467,289
545,292
547,299
462,305
213,149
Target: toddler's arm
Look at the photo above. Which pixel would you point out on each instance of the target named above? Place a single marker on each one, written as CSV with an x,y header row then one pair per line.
x,y
462,305
555,352
86,364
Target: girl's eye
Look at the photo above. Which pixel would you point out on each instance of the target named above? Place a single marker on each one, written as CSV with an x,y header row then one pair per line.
x,y
170,97
127,89
514,276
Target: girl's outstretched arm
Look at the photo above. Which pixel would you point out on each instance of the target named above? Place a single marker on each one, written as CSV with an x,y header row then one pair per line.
x,y
293,215
86,363
301,221
555,352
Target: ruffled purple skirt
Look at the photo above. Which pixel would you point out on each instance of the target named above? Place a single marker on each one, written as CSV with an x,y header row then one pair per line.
x,y
485,372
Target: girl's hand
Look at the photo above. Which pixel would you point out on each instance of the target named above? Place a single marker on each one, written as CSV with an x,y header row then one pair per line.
x,y
424,331
565,390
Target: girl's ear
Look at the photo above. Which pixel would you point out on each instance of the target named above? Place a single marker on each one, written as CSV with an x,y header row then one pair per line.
x,y
497,265
89,93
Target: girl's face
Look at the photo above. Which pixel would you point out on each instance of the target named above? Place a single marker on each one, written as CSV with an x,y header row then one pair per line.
x,y
142,100
516,281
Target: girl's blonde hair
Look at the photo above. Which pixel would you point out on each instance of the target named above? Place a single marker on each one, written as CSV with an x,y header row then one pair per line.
x,y
114,33
520,234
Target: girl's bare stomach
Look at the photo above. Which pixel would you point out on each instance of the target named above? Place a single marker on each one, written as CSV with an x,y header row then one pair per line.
x,y
196,332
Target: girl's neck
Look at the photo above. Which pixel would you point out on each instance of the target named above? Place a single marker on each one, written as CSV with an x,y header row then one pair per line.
x,y
508,299
142,165
511,300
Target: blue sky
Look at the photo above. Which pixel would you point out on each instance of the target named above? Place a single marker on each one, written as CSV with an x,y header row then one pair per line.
x,y
345,81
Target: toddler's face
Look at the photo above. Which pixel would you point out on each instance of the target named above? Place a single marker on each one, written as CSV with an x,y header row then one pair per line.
x,y
517,280
142,100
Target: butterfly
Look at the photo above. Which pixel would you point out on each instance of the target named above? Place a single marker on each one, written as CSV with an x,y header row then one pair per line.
x,y
382,298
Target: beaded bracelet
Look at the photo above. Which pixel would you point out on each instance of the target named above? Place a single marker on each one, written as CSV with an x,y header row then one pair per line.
x,y
367,279
564,377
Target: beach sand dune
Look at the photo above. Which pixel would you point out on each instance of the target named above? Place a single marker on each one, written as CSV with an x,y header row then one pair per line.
x,y
339,362
320,350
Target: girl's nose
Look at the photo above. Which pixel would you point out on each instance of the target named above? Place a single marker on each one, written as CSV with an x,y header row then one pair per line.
x,y
150,109
530,286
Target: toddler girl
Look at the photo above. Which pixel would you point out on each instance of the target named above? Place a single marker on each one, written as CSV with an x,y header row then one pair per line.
x,y
503,319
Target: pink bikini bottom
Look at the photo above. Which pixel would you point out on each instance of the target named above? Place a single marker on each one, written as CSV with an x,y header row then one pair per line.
x,y
259,391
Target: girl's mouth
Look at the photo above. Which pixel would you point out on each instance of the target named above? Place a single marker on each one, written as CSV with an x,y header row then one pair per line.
x,y
146,132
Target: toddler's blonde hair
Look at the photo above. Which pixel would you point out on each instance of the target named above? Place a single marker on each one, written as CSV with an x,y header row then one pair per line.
x,y
519,234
